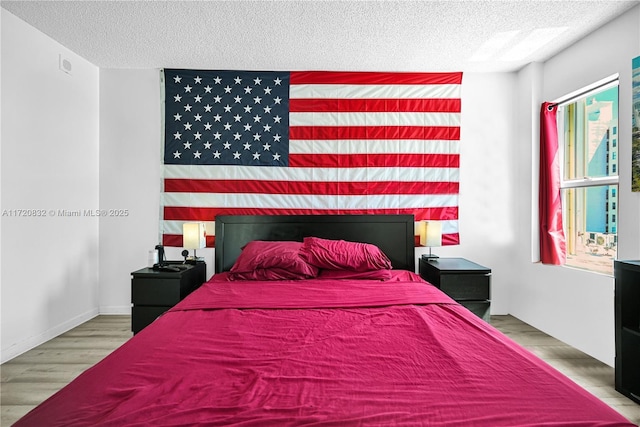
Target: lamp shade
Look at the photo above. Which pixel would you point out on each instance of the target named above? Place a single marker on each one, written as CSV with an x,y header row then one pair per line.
x,y
431,233
194,235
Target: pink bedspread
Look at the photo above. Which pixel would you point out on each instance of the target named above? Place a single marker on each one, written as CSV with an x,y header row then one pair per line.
x,y
363,353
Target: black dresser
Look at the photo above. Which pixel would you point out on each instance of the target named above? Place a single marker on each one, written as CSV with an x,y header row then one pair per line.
x,y
627,324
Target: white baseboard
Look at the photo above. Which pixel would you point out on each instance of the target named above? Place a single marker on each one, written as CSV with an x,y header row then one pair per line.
x,y
115,309
32,342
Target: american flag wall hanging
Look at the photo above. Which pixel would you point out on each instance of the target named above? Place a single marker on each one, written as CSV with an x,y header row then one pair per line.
x,y
303,143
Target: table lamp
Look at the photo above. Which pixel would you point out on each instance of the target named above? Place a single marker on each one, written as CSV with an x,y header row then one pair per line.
x,y
194,236
430,235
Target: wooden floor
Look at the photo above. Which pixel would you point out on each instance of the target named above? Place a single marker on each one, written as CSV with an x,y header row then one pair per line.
x,y
35,375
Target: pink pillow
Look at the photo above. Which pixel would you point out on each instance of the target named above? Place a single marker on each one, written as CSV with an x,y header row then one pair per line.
x,y
343,255
262,260
355,275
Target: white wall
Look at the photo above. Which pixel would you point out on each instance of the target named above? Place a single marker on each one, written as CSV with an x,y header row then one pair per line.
x,y
130,162
49,162
487,191
130,132
572,305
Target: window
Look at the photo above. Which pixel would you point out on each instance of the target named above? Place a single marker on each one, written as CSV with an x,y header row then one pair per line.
x,y
587,128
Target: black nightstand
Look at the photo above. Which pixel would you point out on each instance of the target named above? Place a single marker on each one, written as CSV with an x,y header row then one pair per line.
x,y
154,292
466,282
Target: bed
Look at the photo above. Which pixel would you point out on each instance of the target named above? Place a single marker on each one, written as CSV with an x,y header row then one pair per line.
x,y
338,348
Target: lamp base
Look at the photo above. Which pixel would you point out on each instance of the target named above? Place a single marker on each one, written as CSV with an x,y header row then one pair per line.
x,y
430,255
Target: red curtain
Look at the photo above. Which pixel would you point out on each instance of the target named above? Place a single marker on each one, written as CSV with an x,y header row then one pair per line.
x,y
552,239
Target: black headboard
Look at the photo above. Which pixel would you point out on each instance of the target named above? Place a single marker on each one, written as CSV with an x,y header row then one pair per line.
x,y
393,234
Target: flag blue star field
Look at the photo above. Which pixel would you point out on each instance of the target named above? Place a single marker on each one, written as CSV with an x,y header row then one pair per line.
x,y
303,143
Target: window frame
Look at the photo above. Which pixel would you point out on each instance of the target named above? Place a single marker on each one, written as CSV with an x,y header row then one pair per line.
x,y
586,181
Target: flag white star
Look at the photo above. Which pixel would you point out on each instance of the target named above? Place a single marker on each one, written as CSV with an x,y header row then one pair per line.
x,y
277,81
227,145
197,155
216,154
257,100
177,117
217,135
267,128
207,145
256,137
237,117
277,100
197,79
227,108
207,108
236,136
227,89
248,89
207,89
177,79
197,135
236,155
217,118
187,145
267,109
197,118
176,154
257,118
187,88
238,99
266,147
227,126
277,119
238,80
256,156
217,80
207,126
257,81
247,127
187,107
276,138
267,90
177,135
177,98
217,99
187,126
247,108
276,156
197,98
247,146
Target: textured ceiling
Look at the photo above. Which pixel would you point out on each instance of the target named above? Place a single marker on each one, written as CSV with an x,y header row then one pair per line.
x,y
317,35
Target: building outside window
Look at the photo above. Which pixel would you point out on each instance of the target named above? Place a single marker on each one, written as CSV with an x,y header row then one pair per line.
x,y
588,134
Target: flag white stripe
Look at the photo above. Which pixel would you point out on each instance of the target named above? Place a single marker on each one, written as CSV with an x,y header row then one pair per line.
x,y
175,227
373,119
336,91
311,174
374,146
309,201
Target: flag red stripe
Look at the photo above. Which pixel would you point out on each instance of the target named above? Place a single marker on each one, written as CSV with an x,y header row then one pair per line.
x,y
435,105
337,77
175,240
374,160
306,187
176,213
375,132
